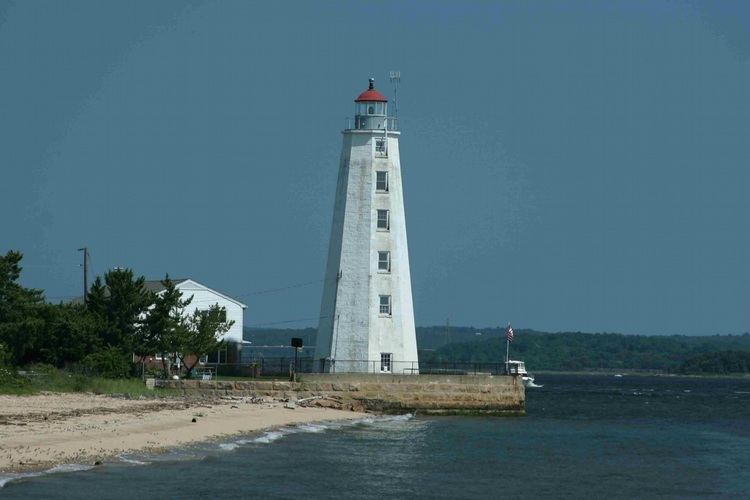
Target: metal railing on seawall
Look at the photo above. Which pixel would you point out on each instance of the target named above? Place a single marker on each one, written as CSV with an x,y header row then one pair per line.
x,y
284,366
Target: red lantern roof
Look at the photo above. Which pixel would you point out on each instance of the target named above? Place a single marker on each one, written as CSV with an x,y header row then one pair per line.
x,y
371,94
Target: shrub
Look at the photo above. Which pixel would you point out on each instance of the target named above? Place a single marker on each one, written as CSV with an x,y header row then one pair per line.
x,y
10,381
4,356
109,363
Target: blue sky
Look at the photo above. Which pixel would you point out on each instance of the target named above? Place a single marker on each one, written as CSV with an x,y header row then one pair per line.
x,y
567,165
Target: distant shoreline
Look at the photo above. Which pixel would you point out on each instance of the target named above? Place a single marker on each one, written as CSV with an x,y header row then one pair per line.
x,y
642,373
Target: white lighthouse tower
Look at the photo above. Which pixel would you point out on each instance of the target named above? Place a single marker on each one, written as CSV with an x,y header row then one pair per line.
x,y
367,314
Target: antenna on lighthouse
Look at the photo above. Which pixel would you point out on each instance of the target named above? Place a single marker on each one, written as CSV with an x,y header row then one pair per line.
x,y
395,78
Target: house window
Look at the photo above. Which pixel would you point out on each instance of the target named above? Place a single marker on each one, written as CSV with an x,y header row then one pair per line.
x,y
385,362
381,181
384,219
384,261
380,145
219,356
385,305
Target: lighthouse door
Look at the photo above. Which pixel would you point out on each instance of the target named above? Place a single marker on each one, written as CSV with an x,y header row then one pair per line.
x,y
385,362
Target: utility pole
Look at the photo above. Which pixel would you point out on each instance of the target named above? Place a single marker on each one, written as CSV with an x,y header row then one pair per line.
x,y
85,251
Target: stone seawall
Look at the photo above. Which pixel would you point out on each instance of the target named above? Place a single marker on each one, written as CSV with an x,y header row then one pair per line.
x,y
431,394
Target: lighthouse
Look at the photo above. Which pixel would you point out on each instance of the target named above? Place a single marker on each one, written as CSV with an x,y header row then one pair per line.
x,y
367,315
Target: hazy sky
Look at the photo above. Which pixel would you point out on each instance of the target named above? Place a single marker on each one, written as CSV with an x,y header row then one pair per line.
x,y
567,165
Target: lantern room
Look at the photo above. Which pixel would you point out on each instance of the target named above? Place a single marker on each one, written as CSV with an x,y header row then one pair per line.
x,y
371,109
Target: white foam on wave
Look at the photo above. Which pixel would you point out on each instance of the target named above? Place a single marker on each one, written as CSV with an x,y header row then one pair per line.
x,y
383,419
400,418
269,437
133,461
6,478
314,428
69,468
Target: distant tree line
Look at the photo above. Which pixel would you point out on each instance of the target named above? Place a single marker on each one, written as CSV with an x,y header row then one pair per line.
x,y
562,351
119,319
569,351
722,362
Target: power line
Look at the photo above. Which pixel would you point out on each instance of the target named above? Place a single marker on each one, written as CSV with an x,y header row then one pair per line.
x,y
273,290
248,294
61,297
54,266
287,321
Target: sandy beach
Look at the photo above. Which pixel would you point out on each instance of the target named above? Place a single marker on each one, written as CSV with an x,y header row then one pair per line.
x,y
41,431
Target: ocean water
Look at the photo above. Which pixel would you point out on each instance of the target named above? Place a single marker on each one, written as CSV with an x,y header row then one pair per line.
x,y
583,437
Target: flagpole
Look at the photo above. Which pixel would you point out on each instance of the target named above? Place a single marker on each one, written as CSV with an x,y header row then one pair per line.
x,y
507,353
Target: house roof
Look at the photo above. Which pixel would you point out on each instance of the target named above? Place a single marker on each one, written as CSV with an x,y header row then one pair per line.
x,y
156,286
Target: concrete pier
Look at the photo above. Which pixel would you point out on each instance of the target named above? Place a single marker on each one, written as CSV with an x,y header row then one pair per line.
x,y
382,393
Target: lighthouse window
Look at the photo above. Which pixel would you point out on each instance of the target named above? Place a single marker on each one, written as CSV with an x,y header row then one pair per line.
x,y
384,261
381,181
385,362
371,110
380,146
384,219
385,305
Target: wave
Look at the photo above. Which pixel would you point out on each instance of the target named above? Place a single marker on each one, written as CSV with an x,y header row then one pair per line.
x,y
313,428
267,437
6,478
132,461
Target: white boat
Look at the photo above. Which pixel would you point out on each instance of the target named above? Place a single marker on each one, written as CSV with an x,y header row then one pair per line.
x,y
515,367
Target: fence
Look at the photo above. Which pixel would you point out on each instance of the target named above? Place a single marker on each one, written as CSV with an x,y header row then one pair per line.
x,y
284,366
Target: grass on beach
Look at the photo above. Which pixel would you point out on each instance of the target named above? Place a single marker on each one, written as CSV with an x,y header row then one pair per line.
x,y
45,378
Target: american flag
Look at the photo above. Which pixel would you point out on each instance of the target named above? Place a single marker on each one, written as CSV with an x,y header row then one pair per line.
x,y
510,333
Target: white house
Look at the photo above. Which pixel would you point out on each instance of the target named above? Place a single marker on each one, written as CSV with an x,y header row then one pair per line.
x,y
205,297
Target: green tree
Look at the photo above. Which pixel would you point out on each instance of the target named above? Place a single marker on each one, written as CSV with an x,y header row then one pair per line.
x,y
722,362
21,321
203,334
71,333
121,302
164,327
